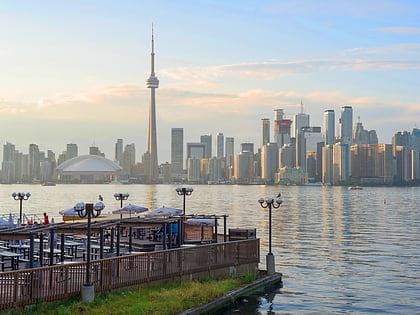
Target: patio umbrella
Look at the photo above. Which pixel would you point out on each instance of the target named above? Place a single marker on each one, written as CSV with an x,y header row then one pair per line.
x,y
130,209
203,222
5,223
164,212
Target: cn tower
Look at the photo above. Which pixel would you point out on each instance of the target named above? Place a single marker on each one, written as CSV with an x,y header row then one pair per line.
x,y
151,161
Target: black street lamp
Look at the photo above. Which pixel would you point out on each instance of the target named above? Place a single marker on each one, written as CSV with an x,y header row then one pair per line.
x,y
89,210
270,203
184,191
121,196
21,196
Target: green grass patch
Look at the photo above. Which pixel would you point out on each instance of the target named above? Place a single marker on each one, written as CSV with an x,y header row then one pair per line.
x,y
166,298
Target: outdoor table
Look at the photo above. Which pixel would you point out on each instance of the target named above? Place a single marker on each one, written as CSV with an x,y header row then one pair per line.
x,y
56,253
95,250
23,249
14,259
72,247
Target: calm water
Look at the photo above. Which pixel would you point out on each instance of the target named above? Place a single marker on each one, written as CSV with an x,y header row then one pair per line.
x,y
340,251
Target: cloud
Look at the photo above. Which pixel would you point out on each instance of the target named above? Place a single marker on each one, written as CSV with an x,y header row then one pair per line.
x,y
273,69
398,30
412,48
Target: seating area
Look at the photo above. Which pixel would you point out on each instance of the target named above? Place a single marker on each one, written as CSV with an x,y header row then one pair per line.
x,y
61,243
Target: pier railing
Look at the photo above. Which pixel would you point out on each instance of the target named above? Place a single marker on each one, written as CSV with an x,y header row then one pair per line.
x,y
30,286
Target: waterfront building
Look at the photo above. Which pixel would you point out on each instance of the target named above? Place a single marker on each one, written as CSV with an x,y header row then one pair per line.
x,y
207,140
403,163
46,171
265,131
177,150
88,169
329,127
372,163
220,145
129,159
243,166
119,151
401,138
269,161
301,122
327,164
151,156
230,153
341,163
9,166
71,151
215,170
34,162
346,124
287,156
287,175
193,170
415,165
281,128
311,165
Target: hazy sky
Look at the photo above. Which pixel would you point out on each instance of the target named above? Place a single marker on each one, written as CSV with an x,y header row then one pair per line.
x,y
74,71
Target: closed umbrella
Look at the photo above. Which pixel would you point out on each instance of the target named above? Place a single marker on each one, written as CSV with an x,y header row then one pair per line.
x,y
164,212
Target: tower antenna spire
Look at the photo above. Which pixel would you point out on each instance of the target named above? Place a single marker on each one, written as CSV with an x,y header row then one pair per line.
x,y
301,107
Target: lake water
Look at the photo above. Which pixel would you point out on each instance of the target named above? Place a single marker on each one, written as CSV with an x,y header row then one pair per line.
x,y
340,251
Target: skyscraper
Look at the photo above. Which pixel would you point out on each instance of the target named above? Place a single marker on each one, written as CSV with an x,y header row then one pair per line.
x,y
301,121
265,131
230,151
71,151
346,124
177,150
151,158
206,139
281,128
219,145
119,151
329,127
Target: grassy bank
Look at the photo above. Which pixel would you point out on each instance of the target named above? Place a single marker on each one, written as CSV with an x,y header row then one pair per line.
x,y
166,298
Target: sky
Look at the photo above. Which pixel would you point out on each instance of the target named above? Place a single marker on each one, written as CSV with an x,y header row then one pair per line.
x,y
75,71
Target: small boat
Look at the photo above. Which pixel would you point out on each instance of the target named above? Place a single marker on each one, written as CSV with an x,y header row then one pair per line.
x,y
355,188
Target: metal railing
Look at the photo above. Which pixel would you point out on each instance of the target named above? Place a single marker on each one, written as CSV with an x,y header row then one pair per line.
x,y
25,287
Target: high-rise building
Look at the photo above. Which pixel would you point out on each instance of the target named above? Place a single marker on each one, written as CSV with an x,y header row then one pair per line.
x,y
34,162
207,140
341,163
247,146
196,150
269,161
119,151
9,151
265,131
94,150
281,128
287,156
230,153
362,136
71,151
220,145
129,159
301,121
243,167
329,127
327,164
401,138
151,157
346,124
193,169
215,170
177,150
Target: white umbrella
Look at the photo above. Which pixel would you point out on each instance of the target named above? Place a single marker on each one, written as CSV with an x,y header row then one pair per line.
x,y
4,223
164,212
130,209
203,222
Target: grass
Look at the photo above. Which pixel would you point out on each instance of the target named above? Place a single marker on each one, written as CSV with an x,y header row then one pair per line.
x,y
166,298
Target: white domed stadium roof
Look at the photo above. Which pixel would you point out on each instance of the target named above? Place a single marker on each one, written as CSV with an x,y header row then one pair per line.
x,y
89,163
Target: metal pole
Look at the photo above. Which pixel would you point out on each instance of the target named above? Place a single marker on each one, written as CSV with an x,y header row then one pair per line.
x,y
269,211
89,209
20,211
121,198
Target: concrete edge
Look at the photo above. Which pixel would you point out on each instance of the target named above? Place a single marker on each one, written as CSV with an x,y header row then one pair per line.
x,y
235,294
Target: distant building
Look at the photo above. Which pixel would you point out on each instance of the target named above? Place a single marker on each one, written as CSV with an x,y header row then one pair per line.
x,y
230,153
269,161
193,170
177,150
196,150
119,151
94,150
362,136
220,145
329,127
341,163
281,128
207,140
265,131
287,175
346,124
327,164
71,151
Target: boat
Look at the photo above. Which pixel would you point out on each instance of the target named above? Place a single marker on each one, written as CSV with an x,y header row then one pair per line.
x,y
355,188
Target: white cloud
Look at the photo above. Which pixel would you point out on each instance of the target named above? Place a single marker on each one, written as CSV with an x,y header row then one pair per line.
x,y
411,48
398,30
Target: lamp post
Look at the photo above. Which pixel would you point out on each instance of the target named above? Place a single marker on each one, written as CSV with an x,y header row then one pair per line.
x,y
183,191
121,196
270,203
83,210
21,196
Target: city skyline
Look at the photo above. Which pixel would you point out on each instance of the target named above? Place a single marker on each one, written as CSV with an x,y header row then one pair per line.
x,y
222,66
